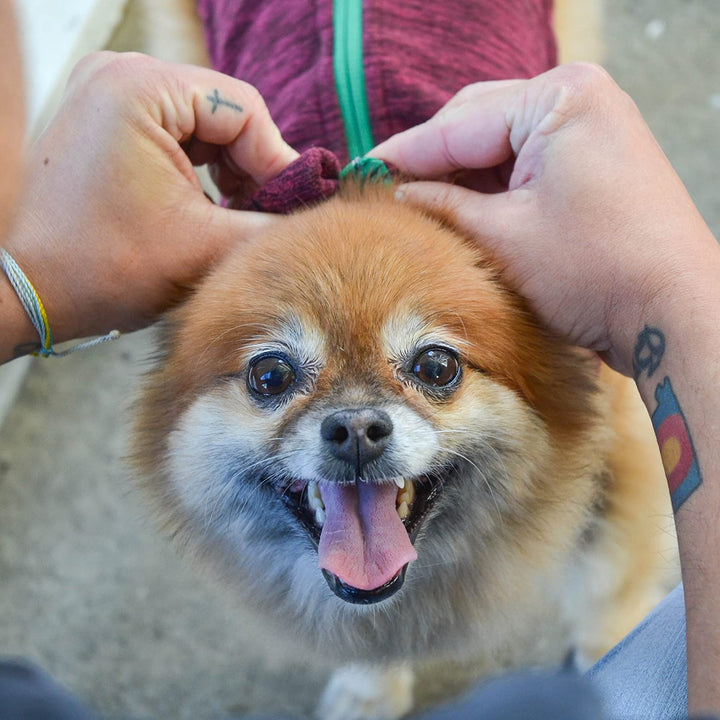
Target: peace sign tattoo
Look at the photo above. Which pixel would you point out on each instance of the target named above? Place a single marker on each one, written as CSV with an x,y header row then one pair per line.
x,y
649,351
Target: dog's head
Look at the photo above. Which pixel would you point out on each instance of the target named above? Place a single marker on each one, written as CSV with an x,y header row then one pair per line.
x,y
356,401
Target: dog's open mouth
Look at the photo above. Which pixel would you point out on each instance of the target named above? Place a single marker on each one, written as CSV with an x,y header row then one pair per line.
x,y
364,531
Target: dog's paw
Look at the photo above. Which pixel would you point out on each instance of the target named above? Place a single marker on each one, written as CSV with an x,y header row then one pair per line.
x,y
365,692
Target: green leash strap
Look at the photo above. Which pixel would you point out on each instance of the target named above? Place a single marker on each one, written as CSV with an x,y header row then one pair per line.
x,y
366,169
349,71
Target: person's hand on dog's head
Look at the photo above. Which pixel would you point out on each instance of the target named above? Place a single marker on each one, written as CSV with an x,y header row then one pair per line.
x,y
114,224
578,200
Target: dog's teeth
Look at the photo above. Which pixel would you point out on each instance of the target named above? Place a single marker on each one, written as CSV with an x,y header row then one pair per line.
x,y
407,494
314,498
400,482
405,497
315,502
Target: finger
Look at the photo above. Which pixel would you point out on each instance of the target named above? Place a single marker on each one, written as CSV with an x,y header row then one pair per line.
x,y
486,217
185,101
488,128
476,90
472,135
188,101
220,230
232,113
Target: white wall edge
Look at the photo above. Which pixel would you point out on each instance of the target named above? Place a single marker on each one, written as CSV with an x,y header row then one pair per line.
x,y
94,32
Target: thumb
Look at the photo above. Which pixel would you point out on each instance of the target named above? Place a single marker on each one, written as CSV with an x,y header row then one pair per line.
x,y
222,229
489,219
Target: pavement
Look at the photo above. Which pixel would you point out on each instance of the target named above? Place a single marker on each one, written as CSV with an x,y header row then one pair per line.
x,y
94,593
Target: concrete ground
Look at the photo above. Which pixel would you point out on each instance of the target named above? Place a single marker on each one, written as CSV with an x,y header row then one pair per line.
x,y
92,592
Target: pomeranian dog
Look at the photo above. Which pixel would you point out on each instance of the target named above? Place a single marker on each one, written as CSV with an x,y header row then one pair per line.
x,y
364,427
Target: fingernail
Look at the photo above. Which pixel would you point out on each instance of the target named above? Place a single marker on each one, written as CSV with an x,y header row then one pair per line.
x,y
400,193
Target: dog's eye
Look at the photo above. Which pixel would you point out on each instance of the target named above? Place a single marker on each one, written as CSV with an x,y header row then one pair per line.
x,y
436,367
270,375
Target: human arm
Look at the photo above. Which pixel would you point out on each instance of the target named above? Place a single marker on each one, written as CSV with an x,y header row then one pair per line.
x,y
11,114
113,225
593,226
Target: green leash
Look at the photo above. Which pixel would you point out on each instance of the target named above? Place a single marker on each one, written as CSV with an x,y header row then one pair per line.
x,y
349,71
366,169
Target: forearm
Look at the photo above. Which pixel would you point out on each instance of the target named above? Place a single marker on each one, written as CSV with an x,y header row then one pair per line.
x,y
679,381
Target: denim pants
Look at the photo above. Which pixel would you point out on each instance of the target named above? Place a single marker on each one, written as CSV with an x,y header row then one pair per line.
x,y
645,675
642,678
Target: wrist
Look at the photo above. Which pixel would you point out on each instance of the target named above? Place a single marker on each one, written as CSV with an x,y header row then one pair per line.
x,y
19,336
678,291
35,313
33,245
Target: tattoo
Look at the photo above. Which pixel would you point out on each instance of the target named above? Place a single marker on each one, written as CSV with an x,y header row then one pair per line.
x,y
216,100
671,429
676,448
649,351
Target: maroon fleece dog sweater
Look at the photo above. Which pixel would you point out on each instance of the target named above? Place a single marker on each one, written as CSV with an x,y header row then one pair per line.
x,y
416,56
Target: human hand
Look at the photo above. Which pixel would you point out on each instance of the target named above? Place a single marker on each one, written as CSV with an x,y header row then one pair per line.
x,y
114,224
580,205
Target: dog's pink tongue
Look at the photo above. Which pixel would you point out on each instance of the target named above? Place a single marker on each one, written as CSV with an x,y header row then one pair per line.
x,y
363,540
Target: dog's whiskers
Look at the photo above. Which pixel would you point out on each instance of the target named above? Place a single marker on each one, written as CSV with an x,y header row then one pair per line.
x,y
483,477
223,504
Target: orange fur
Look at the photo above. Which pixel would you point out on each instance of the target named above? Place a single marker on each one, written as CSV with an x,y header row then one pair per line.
x,y
580,525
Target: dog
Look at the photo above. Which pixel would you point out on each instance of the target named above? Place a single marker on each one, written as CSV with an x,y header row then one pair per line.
x,y
361,425
368,433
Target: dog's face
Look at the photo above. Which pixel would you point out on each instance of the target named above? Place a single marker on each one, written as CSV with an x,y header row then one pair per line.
x,y
354,410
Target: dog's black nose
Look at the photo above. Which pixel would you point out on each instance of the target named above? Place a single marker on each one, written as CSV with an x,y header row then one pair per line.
x,y
357,436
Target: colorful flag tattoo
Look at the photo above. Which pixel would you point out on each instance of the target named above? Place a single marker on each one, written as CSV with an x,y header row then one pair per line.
x,y
676,448
671,430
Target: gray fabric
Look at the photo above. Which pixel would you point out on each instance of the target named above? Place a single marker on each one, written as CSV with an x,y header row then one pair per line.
x,y
27,693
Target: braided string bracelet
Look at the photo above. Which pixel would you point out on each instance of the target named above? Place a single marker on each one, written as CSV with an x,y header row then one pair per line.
x,y
35,310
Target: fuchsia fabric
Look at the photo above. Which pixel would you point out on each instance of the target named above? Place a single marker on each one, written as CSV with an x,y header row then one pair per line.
x,y
417,54
311,178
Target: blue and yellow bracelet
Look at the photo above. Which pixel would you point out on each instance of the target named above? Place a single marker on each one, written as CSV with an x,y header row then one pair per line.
x,y
33,306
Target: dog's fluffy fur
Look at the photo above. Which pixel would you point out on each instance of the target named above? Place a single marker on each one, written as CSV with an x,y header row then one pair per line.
x,y
545,537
